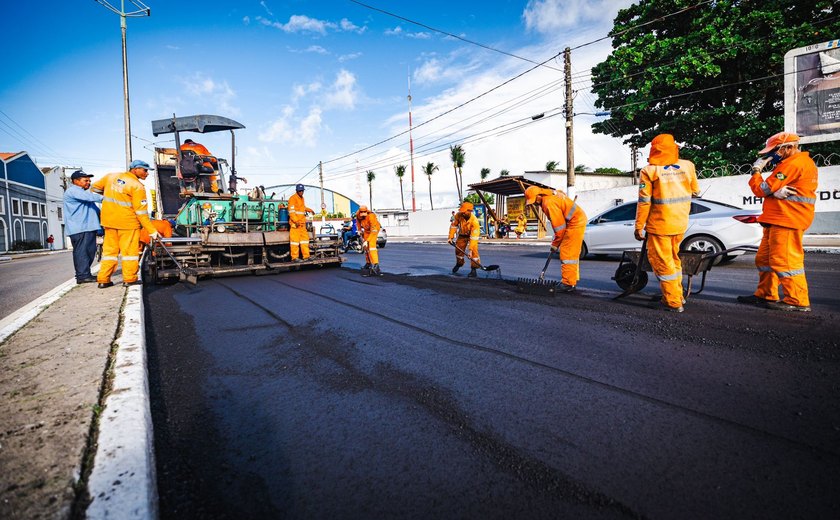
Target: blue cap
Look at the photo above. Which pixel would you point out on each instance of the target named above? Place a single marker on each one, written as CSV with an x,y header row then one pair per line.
x,y
299,187
137,163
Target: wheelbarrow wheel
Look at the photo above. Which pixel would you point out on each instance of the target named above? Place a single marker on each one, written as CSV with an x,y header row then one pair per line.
x,y
624,277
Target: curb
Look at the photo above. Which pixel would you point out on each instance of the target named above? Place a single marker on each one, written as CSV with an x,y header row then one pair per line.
x,y
122,483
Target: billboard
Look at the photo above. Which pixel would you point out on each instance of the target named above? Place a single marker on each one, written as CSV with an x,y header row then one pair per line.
x,y
812,92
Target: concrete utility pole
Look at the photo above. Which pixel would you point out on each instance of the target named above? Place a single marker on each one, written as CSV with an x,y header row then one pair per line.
x,y
143,10
570,116
634,151
411,146
323,204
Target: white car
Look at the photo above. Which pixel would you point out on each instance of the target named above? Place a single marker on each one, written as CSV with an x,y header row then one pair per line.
x,y
712,226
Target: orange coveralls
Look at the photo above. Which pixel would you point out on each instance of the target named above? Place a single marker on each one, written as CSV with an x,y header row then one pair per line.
x,y
664,203
163,227
124,213
469,232
780,257
298,236
369,229
568,220
209,162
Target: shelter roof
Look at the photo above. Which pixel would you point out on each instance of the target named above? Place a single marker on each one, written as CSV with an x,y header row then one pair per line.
x,y
507,185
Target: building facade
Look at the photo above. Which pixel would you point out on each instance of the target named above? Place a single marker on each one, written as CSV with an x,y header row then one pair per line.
x,y
23,201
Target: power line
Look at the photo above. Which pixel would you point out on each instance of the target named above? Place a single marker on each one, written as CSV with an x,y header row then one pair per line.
x,y
483,46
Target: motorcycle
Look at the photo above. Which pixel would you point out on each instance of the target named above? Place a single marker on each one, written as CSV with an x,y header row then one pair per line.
x,y
355,244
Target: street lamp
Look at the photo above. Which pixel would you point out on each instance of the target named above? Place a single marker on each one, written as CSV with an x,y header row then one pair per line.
x,y
143,10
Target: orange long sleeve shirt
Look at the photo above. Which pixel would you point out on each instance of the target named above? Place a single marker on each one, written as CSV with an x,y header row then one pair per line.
x,y
665,197
124,205
465,226
797,211
297,210
369,225
564,213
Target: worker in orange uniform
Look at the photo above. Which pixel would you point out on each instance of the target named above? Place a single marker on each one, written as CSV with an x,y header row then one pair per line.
x,y
210,164
124,213
468,229
666,186
790,193
164,229
568,220
298,235
368,226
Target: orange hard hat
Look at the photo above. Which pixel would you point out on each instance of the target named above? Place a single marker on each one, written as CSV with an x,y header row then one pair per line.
x,y
531,194
362,209
466,207
663,150
778,140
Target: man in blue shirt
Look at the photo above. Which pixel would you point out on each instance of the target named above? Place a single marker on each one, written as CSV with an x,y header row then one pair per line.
x,y
81,220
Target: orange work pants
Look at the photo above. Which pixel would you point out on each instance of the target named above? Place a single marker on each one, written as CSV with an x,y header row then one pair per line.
x,y
781,259
465,244
371,254
663,254
570,244
120,242
299,241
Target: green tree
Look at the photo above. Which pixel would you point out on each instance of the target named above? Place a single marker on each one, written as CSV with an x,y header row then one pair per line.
x,y
399,170
429,169
504,173
370,178
474,198
689,74
608,171
458,156
551,166
485,172
580,168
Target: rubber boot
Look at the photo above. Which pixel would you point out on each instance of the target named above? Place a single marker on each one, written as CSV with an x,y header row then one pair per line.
x,y
376,270
366,266
455,269
472,274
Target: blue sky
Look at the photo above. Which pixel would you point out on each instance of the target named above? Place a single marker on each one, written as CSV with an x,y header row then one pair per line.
x,y
310,80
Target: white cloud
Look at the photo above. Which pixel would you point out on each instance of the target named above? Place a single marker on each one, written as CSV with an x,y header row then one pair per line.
x,y
267,10
317,49
396,31
419,35
291,129
548,16
399,31
348,57
299,91
246,20
343,92
436,70
300,23
347,25
218,96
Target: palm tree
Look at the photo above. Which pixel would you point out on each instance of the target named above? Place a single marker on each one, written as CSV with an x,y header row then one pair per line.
x,y
457,156
399,170
429,169
370,178
580,168
551,166
485,172
504,173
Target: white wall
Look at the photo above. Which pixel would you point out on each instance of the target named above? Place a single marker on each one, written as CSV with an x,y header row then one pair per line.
x,y
55,199
432,222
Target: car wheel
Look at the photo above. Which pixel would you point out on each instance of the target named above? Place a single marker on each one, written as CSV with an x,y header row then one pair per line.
x,y
703,244
583,250
380,245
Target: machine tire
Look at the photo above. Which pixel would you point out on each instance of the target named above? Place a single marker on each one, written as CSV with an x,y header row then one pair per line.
x,y
624,277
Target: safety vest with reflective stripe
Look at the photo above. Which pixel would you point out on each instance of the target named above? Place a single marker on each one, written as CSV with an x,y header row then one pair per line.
x,y
369,225
297,210
468,226
124,205
665,197
563,212
797,211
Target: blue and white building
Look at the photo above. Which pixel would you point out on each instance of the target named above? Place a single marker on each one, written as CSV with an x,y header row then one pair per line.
x,y
23,201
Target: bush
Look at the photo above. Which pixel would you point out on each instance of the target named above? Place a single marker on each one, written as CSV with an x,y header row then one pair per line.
x,y
26,245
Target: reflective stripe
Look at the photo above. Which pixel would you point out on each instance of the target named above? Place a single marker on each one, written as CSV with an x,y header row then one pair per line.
x,y
372,249
143,212
559,228
764,268
644,199
765,188
788,274
569,261
117,202
669,277
304,241
797,198
474,239
674,200
111,258
571,212
453,227
296,212
130,258
294,243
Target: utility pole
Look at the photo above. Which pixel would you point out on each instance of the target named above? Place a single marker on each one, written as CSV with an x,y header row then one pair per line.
x,y
411,145
323,204
143,10
570,115
634,151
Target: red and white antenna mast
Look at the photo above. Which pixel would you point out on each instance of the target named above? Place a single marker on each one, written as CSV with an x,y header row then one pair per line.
x,y
411,145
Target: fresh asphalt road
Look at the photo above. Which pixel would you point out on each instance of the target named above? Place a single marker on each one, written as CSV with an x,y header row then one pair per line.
x,y
322,394
23,279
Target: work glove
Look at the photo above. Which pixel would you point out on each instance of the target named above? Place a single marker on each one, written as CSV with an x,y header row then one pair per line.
x,y
639,234
451,242
154,236
760,163
784,192
554,249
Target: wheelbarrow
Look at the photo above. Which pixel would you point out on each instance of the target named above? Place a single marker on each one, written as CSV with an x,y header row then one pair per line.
x,y
631,274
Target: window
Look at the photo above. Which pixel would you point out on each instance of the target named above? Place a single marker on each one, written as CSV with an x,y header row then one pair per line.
x,y
25,205
15,206
621,213
60,216
43,210
698,208
2,205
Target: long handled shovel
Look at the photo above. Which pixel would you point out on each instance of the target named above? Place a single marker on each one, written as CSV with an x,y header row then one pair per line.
x,y
492,267
539,286
185,274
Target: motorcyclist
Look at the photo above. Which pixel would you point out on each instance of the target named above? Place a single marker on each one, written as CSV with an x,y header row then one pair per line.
x,y
349,231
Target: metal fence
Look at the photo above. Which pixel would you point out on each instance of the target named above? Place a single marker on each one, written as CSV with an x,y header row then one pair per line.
x,y
831,159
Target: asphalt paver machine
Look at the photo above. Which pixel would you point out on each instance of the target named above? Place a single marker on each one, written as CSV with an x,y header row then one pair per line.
x,y
223,232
